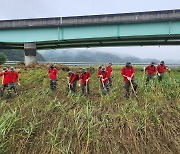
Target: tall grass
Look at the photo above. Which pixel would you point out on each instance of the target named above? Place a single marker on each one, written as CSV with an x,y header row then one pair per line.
x,y
41,121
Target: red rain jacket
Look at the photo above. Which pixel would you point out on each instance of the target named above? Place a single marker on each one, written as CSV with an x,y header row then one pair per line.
x,y
53,73
84,76
127,71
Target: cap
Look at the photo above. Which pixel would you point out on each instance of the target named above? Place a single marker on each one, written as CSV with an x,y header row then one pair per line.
x,y
4,69
152,63
128,64
103,69
12,68
70,72
162,62
51,66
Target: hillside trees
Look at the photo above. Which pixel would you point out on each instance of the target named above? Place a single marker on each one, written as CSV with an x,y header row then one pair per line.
x,y
3,58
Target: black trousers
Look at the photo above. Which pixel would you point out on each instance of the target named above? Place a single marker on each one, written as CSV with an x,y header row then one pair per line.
x,y
160,76
11,86
110,81
3,87
53,84
83,88
150,77
73,86
127,86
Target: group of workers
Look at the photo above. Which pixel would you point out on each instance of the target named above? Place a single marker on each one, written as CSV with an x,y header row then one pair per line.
x,y
10,78
105,76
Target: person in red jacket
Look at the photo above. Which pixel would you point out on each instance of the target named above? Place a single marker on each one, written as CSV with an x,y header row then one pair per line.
x,y
151,72
128,73
13,81
72,80
161,69
104,76
53,75
84,78
5,80
109,71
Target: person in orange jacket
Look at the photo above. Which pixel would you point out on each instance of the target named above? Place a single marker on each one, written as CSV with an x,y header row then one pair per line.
x,y
53,75
151,72
104,76
84,78
161,69
13,81
109,71
5,80
128,73
72,80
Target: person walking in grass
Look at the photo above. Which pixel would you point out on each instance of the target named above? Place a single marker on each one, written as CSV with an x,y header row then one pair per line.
x,y
5,80
13,81
109,71
72,80
84,81
53,75
151,72
104,82
161,69
128,73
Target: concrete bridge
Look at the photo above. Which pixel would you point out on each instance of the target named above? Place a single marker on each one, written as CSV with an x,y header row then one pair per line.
x,y
127,29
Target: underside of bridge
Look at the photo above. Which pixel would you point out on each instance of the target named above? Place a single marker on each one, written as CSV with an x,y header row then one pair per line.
x,y
100,42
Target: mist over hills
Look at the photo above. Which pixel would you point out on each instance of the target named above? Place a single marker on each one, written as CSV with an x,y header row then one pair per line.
x,y
83,55
89,56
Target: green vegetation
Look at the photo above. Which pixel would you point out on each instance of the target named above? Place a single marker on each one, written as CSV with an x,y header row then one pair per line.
x,y
18,55
3,58
39,121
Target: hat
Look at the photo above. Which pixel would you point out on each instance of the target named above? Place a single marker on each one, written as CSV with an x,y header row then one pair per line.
x,y
4,69
51,66
103,69
70,72
12,68
128,64
152,63
162,62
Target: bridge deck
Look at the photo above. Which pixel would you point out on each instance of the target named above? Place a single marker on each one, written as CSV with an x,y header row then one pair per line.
x,y
136,17
126,29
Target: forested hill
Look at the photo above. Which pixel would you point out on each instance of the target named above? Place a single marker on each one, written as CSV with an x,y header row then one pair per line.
x,y
88,56
18,55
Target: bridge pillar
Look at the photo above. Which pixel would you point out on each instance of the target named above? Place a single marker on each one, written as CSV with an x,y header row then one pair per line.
x,y
30,53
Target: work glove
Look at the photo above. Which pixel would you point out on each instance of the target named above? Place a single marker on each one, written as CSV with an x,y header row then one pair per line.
x,y
129,78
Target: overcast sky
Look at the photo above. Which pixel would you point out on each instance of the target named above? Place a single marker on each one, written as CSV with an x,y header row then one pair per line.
x,y
19,9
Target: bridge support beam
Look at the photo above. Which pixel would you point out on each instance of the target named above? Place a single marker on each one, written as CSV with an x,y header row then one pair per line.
x,y
30,53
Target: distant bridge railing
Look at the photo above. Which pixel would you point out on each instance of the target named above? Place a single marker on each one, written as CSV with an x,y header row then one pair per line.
x,y
85,63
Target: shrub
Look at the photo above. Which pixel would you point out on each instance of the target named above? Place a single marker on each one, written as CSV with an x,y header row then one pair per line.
x,y
3,58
